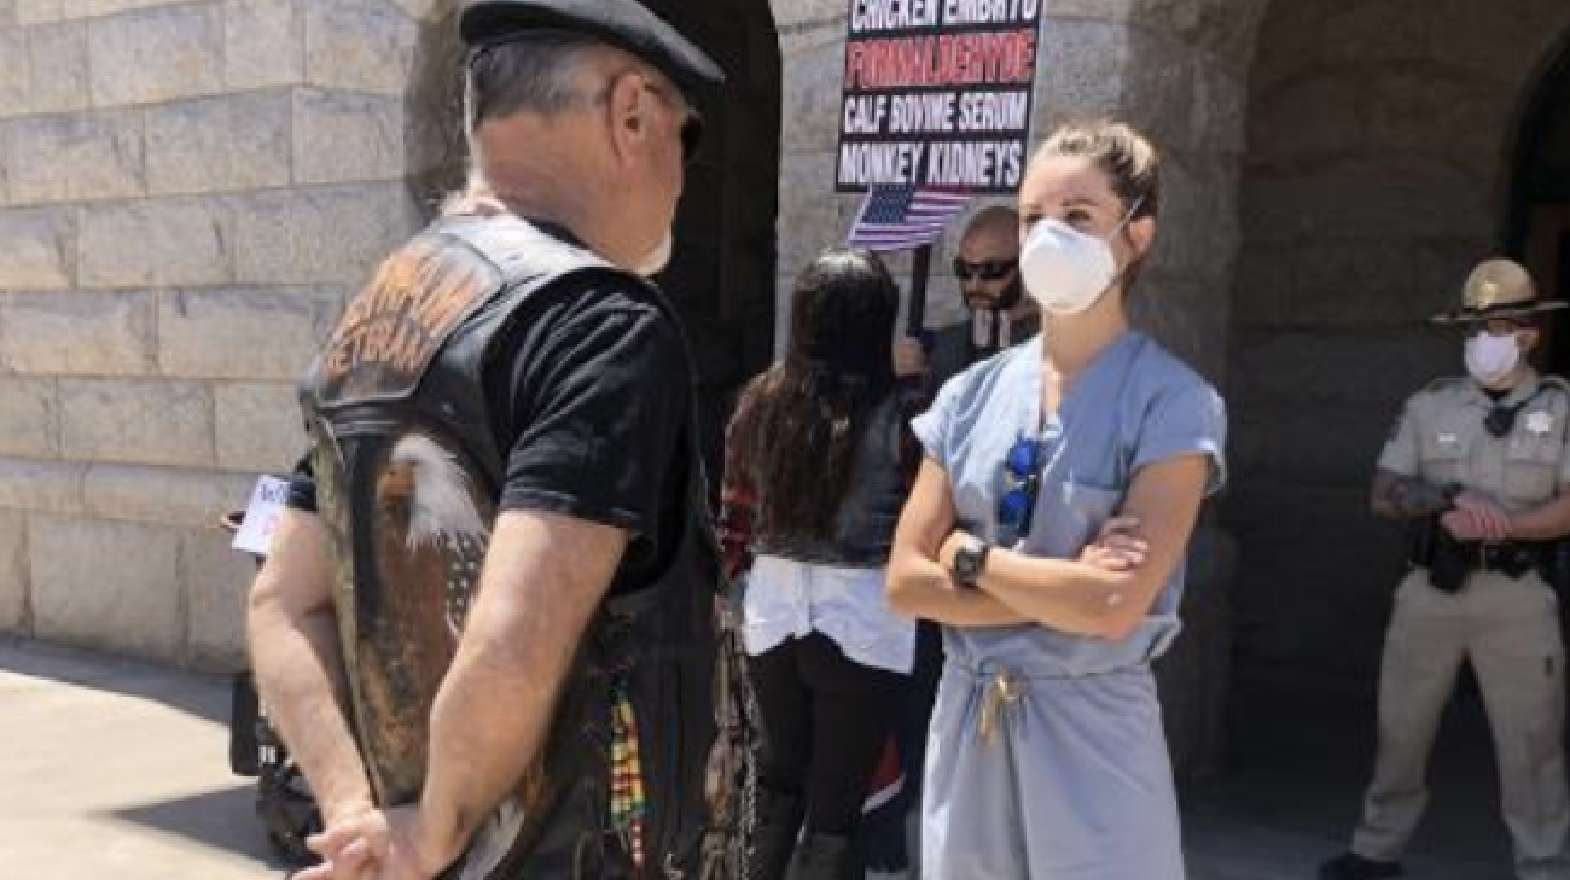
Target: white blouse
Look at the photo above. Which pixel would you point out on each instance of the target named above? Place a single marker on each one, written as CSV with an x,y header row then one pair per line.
x,y
787,599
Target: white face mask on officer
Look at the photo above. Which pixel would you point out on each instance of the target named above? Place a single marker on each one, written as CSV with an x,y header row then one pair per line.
x,y
1492,359
1065,270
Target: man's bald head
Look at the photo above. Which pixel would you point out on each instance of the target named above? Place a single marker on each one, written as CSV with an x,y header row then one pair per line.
x,y
994,224
990,242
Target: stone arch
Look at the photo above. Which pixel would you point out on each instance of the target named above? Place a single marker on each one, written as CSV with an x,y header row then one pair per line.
x,y
1536,227
1378,164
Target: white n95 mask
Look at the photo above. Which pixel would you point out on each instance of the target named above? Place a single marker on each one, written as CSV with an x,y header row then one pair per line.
x,y
1066,270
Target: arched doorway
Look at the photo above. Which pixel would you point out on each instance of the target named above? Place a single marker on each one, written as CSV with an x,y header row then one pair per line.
x,y
722,274
1381,143
1538,227
723,271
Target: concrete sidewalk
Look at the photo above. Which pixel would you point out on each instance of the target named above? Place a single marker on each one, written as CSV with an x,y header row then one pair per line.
x,y
114,770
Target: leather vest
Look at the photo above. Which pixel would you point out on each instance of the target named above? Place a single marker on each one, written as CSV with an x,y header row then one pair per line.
x,y
408,473
865,521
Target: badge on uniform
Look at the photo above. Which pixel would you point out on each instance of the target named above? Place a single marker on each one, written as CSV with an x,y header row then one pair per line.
x,y
1446,438
1540,423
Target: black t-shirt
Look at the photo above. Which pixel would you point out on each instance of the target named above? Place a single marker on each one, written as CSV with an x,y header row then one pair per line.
x,y
590,392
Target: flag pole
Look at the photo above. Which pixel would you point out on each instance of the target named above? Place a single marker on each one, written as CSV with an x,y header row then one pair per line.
x,y
920,269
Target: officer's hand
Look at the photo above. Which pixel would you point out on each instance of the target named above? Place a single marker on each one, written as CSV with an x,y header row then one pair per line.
x,y
910,359
1461,525
1492,522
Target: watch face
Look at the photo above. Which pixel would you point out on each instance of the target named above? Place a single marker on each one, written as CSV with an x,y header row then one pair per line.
x,y
967,563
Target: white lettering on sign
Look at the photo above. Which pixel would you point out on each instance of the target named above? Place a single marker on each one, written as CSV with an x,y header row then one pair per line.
x,y
868,164
893,15
993,111
922,113
985,11
864,114
981,164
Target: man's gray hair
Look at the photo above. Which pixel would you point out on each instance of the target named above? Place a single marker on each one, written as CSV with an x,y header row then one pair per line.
x,y
538,72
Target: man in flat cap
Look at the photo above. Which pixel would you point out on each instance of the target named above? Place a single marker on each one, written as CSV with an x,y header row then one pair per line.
x,y
486,628
1480,468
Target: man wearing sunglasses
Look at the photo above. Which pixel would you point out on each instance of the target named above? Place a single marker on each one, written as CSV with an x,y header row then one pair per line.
x,y
486,629
1479,468
986,268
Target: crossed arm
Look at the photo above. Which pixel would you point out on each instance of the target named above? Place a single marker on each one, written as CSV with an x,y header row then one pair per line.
x,y
1468,515
1106,592
544,575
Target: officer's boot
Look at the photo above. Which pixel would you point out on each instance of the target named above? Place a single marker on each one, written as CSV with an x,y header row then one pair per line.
x,y
779,816
825,857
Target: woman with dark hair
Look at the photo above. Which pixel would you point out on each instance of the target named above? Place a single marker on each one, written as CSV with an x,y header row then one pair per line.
x,y
815,475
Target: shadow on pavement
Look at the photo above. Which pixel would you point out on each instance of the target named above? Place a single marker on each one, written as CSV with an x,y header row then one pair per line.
x,y
224,820
200,695
1300,758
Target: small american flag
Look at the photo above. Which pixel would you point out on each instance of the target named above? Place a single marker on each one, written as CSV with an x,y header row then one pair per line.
x,y
900,217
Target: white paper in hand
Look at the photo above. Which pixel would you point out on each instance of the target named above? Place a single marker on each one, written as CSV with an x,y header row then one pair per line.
x,y
261,516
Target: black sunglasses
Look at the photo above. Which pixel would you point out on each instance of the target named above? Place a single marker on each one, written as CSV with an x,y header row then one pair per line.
x,y
691,126
989,270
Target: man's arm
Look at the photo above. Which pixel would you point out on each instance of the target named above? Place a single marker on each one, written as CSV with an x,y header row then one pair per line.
x,y
293,634
544,576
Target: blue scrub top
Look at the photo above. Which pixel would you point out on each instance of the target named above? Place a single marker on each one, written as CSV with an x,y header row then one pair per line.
x,y
1133,405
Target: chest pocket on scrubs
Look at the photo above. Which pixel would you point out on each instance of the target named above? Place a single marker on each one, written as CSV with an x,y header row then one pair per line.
x,y
1533,453
1444,447
1068,516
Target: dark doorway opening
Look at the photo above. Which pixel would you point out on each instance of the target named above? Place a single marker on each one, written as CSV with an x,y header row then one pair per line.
x,y
722,275
1538,228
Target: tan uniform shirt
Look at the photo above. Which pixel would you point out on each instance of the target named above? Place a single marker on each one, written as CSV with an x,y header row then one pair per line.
x,y
1440,438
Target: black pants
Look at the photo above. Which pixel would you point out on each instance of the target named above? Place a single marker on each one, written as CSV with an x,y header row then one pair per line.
x,y
826,720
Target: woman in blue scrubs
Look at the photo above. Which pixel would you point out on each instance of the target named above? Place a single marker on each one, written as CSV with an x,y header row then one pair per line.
x,y
1047,532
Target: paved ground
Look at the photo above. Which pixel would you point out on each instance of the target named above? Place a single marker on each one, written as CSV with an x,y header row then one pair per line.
x,y
118,771
114,770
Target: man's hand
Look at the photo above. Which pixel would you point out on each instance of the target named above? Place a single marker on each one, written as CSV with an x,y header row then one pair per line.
x,y
1484,518
1117,547
910,359
376,845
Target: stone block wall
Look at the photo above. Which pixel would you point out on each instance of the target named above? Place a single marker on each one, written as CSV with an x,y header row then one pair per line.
x,y
1381,137
188,190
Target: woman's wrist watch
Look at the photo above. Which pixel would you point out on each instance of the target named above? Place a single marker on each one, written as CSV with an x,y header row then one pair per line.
x,y
970,561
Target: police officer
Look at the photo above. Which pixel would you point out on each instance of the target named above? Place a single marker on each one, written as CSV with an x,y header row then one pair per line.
x,y
1480,467
487,628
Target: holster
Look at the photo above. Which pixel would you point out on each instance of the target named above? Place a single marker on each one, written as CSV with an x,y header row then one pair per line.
x,y
1449,561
